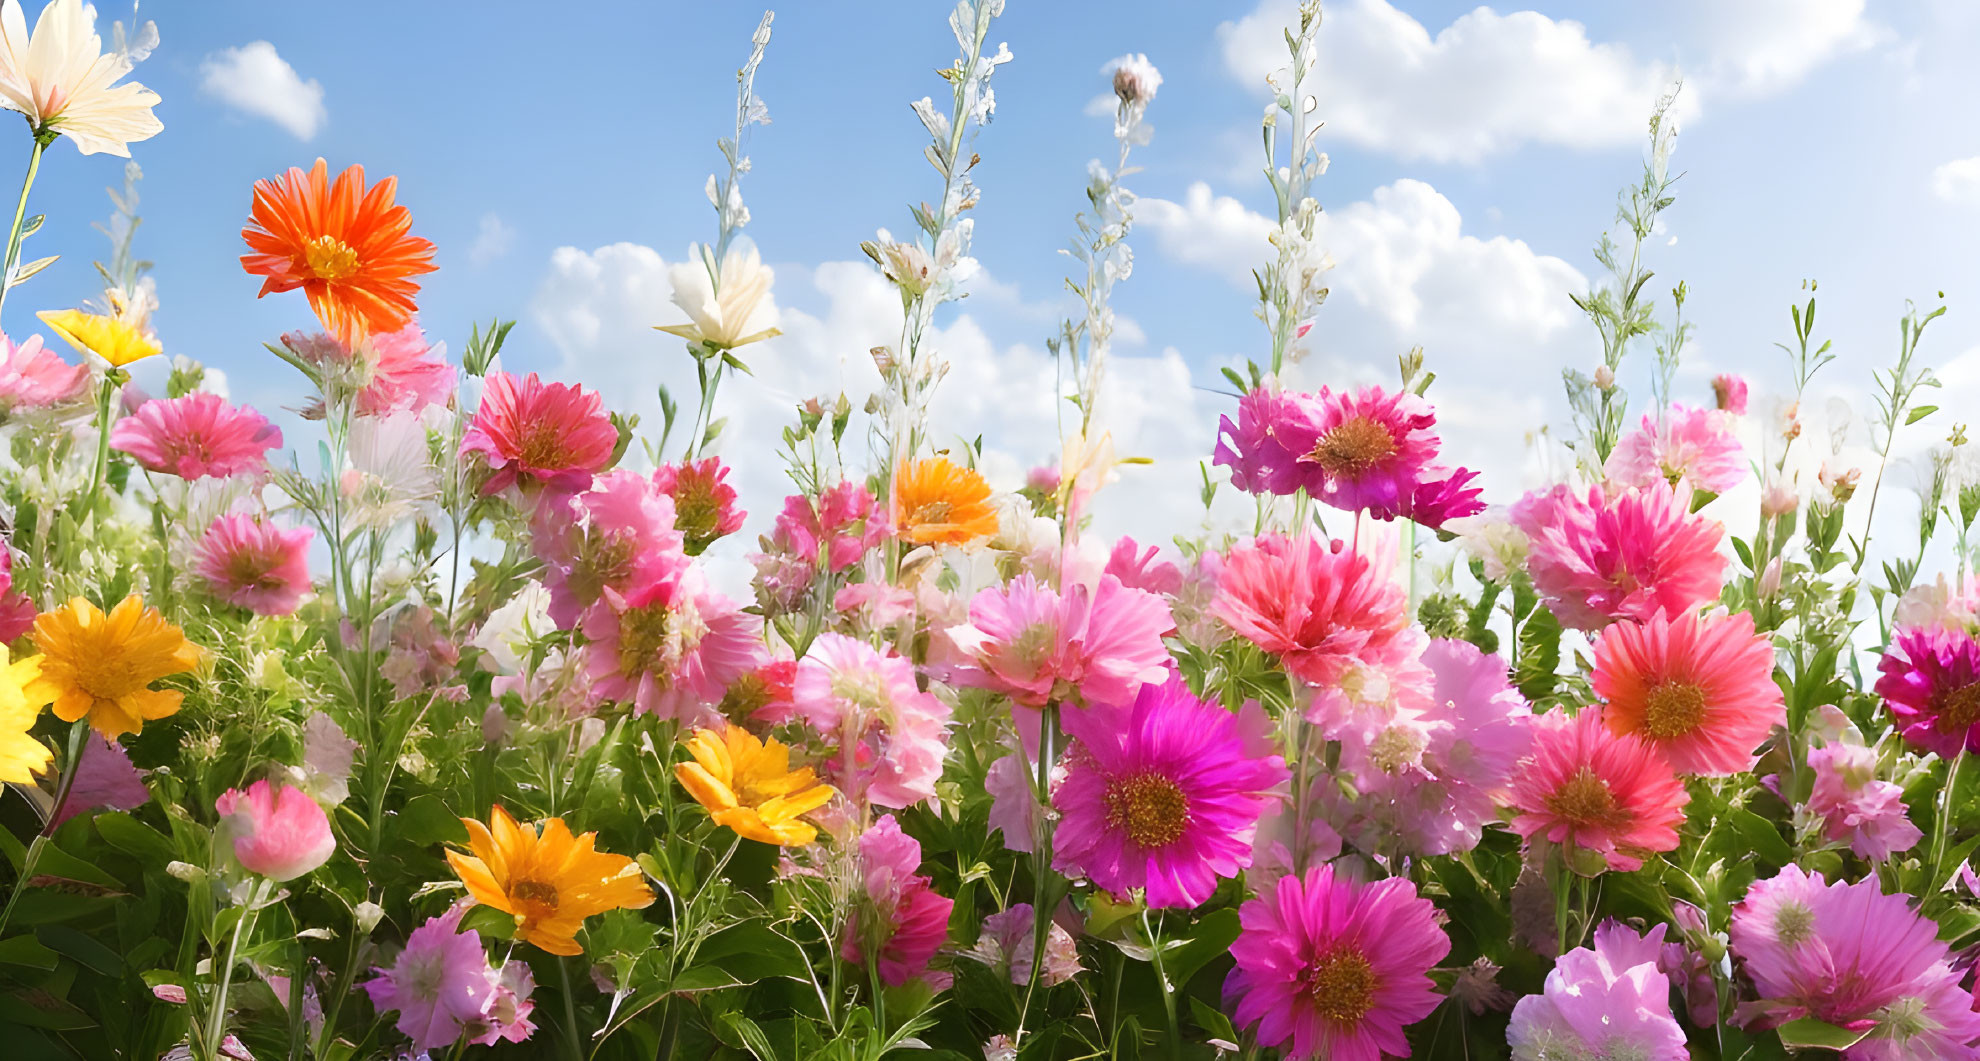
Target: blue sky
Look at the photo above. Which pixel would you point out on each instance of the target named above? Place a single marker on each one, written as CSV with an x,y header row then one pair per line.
x,y
1475,157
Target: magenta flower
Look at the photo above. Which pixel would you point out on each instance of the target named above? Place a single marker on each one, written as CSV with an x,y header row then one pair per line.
x,y
251,562
278,832
1163,794
1692,446
843,523
1256,448
105,780
1096,643
1930,683
35,377
17,610
440,986
1143,571
1328,968
1440,500
670,646
903,922
612,536
532,433
198,436
870,704
1855,806
1611,1000
1370,449
1600,559
705,508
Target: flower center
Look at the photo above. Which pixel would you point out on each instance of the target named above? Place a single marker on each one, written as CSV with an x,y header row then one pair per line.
x,y
534,900
330,258
697,513
1960,708
542,446
250,569
1584,799
1673,709
643,634
1342,985
1354,447
1150,808
932,512
1793,922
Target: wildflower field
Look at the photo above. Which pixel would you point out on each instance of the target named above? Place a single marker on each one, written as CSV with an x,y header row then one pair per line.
x,y
436,734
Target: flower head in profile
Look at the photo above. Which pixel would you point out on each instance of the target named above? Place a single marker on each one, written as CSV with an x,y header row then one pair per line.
x,y
386,371
347,246
1330,969
1259,448
21,755
1699,689
532,433
1694,446
842,523
1141,570
670,645
544,877
892,733
705,509
1598,559
1930,682
1009,940
1318,606
1162,794
251,562
1729,393
748,785
937,502
201,435
440,985
60,78
727,306
901,921
114,339
1097,643
1585,786
35,377
101,666
278,831
1611,1000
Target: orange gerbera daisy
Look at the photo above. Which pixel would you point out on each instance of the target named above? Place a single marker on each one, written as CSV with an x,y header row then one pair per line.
x,y
102,666
550,882
937,502
749,786
346,246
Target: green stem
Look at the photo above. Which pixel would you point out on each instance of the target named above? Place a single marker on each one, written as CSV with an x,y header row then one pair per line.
x,y
77,732
216,1018
1161,978
570,1009
1041,899
104,393
42,138
1943,826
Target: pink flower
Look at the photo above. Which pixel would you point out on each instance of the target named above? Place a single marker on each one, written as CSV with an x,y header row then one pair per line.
x,y
444,989
1013,804
1855,805
389,371
1143,571
251,562
1611,1000
1335,968
1600,559
669,646
1318,607
1098,643
278,832
1370,449
1730,393
35,377
1589,788
1009,940
1438,501
1692,446
1162,795
892,732
903,922
17,610
1699,689
1930,683
843,521
1257,448
105,780
539,434
198,436
618,533
704,505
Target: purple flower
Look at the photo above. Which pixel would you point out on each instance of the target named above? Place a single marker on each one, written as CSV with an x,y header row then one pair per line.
x,y
440,985
105,779
1254,448
1608,1001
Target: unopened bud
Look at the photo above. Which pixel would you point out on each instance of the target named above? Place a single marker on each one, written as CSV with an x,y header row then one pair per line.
x,y
1605,377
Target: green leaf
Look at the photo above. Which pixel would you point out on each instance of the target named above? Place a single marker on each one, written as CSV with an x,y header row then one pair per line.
x,y
1212,1020
1539,654
741,955
1212,937
89,952
29,951
134,838
39,1009
1809,1032
490,922
1760,834
427,820
1920,413
751,1036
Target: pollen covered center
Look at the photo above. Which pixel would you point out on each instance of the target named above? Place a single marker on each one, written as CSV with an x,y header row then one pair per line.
x,y
330,258
1342,985
932,512
1584,799
1673,709
1960,709
1354,447
534,900
1150,808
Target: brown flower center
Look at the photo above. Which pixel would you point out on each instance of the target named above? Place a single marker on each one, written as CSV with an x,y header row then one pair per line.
x,y
1354,447
534,900
1673,709
1342,985
642,636
1150,808
542,446
330,258
932,512
1584,799
1960,709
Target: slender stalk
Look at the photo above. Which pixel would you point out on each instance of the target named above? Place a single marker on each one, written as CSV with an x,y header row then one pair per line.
x,y
77,731
1161,979
104,393
42,138
1942,827
216,1018
570,1009
1041,914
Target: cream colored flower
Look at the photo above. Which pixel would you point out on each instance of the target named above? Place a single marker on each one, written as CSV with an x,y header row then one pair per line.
x,y
62,81
741,313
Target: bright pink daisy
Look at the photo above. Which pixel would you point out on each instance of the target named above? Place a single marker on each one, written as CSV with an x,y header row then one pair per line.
x,y
533,433
1855,805
1729,391
1317,606
1699,689
842,523
251,562
618,533
198,436
902,922
1097,644
1370,449
1256,448
1163,794
1930,683
869,705
704,505
1337,969
1587,787
1692,446
35,377
1600,559
1611,1000
669,646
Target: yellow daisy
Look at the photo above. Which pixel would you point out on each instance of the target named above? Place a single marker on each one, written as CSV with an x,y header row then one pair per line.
x,y
749,786
102,665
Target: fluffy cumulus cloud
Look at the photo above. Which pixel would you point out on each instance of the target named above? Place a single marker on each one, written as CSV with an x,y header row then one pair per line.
x,y
1763,46
1958,181
256,80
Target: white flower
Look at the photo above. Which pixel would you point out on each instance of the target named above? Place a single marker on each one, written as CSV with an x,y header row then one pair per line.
x,y
511,629
1492,538
739,314
61,79
391,473
1135,78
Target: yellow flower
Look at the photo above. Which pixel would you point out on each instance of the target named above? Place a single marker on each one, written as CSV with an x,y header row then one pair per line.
x,y
110,338
60,78
21,755
103,666
749,786
550,882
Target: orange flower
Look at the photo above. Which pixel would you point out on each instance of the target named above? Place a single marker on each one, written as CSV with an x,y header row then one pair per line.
x,y
940,503
347,248
549,883
103,666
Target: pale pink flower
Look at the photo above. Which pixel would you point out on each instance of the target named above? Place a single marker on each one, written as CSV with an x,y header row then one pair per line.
x,y
1694,446
1009,940
890,734
1598,559
197,436
670,645
612,536
1098,643
278,832
35,377
1855,805
251,562
1143,570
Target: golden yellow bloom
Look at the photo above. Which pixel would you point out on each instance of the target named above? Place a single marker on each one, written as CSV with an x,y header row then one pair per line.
x,y
749,786
113,339
940,503
21,755
103,666
550,882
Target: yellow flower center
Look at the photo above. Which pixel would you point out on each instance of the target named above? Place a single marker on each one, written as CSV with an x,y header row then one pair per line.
x,y
643,634
330,258
932,512
1960,709
1584,799
542,446
1673,709
1342,985
1354,447
1150,808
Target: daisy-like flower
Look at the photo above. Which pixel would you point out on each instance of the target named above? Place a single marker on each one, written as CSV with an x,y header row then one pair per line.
x,y
347,246
392,476
1099,644
870,705
613,536
251,562
1611,1000
277,831
705,508
1693,446
748,785
902,922
548,880
670,645
35,377
1939,603
1259,448
1437,501
440,985
1317,606
738,314
1855,805
102,666
61,80
1598,559
1163,794
1328,968
21,755
533,433
937,502
1699,689
1585,786
1370,449
1930,683
201,435
116,340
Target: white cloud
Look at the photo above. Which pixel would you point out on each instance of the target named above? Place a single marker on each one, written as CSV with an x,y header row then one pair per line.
x,y
492,241
1761,46
1958,181
254,79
